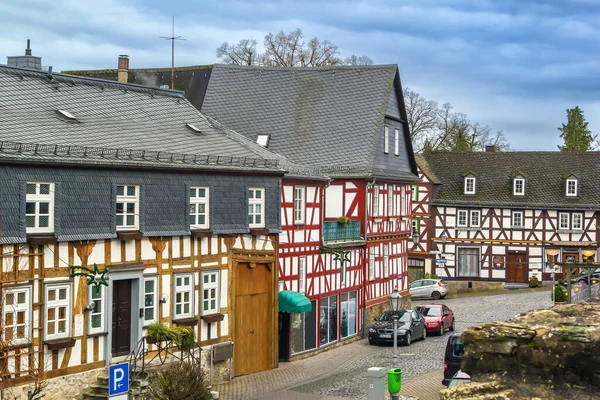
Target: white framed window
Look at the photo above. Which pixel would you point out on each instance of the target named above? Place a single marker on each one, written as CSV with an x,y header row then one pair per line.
x,y
475,218
199,207
16,314
96,294
577,223
519,187
377,263
461,218
571,187
390,195
469,185
371,263
39,207
128,207
57,309
517,219
256,208
396,142
183,303
468,261
415,193
150,300
210,292
386,140
386,261
563,221
403,201
302,274
299,204
376,201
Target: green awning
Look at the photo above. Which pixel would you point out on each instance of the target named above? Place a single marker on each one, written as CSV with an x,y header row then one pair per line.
x,y
293,302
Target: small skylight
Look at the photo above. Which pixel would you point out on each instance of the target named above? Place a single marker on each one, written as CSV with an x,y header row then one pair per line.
x,y
67,115
194,128
263,140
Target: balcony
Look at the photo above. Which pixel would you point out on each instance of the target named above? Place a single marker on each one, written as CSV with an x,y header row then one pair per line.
x,y
342,234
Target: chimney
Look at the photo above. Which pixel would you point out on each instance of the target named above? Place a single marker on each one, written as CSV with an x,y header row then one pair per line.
x,y
27,61
491,148
123,72
28,49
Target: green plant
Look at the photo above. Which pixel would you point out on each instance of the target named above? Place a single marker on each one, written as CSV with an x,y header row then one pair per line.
x,y
179,381
344,220
183,336
534,282
427,275
559,294
159,331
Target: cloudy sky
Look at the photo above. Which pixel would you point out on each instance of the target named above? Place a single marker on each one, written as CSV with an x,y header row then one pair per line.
x,y
515,65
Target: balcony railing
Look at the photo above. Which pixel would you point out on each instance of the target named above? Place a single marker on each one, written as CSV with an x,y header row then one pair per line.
x,y
334,232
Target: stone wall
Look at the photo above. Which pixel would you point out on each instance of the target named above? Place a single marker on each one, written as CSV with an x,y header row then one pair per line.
x,y
67,387
375,310
463,286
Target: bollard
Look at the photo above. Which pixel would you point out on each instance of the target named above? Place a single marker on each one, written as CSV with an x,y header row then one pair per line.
x,y
394,381
376,381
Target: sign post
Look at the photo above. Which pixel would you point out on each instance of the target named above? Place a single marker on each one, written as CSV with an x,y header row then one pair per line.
x,y
118,381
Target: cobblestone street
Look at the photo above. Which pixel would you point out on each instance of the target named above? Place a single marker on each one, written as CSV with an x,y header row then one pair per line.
x,y
341,372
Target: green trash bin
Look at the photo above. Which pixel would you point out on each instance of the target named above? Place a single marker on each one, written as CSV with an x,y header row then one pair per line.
x,y
394,380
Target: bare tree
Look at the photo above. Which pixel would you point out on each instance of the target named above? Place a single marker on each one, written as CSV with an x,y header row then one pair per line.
x,y
422,118
243,53
357,60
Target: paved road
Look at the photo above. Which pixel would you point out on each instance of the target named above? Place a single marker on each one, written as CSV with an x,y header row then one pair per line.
x,y
423,357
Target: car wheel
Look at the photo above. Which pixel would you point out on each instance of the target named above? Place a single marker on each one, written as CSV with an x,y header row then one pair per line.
x,y
452,326
441,329
436,295
407,340
372,342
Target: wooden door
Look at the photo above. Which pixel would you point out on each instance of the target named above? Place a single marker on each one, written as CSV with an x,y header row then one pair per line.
x,y
121,318
517,268
254,347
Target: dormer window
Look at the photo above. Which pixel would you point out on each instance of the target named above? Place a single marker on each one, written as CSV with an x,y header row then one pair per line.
x,y
571,187
518,186
470,185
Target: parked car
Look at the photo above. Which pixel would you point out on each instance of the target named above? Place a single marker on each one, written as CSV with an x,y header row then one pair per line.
x,y
453,357
438,318
432,288
411,325
583,277
459,377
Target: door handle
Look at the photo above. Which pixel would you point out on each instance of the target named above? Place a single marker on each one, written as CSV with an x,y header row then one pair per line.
x,y
252,331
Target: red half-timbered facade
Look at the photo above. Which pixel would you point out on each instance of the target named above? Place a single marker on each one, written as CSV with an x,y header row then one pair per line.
x,y
506,217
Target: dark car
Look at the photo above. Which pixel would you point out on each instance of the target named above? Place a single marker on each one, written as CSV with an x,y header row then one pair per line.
x,y
438,318
411,325
453,357
583,277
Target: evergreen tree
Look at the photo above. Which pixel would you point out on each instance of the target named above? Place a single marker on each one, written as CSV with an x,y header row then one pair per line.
x,y
576,134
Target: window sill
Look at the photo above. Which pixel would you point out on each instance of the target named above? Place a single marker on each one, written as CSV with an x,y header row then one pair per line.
x,y
97,334
468,228
259,231
212,318
193,321
129,235
517,228
569,231
201,233
14,346
41,239
57,344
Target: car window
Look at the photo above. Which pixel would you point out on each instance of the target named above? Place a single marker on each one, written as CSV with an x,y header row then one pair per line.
x,y
446,310
415,316
429,283
458,349
431,311
443,282
416,284
387,316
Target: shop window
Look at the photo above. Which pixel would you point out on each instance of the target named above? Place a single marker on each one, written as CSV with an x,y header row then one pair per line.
x,y
328,320
304,330
348,316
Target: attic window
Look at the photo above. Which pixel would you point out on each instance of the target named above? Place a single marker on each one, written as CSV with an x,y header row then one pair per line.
x,y
194,128
470,185
263,140
519,186
571,187
67,115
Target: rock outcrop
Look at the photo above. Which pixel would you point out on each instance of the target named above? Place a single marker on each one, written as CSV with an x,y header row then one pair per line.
x,y
543,354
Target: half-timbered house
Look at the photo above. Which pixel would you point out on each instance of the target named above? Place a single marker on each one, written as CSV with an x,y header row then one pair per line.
x,y
500,217
181,213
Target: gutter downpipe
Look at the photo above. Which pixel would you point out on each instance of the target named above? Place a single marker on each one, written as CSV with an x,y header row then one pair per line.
x,y
329,180
364,280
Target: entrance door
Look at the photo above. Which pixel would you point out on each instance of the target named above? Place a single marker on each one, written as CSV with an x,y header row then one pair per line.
x,y
254,320
517,268
284,335
121,318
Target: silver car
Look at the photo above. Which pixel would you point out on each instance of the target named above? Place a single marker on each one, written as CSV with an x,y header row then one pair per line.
x,y
431,288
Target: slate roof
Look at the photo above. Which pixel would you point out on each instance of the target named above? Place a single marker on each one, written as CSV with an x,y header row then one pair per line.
x,y
116,124
327,119
545,176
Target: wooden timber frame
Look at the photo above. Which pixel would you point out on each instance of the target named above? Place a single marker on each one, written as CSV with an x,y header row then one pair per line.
x,y
571,268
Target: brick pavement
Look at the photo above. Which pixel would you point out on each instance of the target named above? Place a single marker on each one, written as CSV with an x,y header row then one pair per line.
x,y
425,387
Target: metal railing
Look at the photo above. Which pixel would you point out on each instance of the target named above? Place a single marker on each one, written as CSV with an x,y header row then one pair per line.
x,y
334,232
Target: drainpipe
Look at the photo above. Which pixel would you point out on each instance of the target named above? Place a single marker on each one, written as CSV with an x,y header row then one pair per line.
x,y
323,209
364,280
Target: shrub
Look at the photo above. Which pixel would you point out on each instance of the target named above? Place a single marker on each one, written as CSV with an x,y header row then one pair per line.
x,y
183,336
430,276
534,282
559,294
179,381
344,220
159,331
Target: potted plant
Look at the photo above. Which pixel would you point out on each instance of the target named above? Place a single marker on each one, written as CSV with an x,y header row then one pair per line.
x,y
559,295
534,282
183,336
157,332
344,220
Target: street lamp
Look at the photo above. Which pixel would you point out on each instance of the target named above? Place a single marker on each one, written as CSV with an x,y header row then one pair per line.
x,y
395,300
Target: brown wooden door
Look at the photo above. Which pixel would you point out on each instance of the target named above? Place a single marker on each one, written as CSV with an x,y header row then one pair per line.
x,y
254,348
121,317
517,268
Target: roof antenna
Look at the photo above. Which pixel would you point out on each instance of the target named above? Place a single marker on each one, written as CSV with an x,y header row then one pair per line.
x,y
173,38
28,49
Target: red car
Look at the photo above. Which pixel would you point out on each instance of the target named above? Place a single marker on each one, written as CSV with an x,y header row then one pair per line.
x,y
438,317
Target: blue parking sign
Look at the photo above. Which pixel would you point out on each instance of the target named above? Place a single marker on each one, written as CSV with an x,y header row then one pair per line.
x,y
118,379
